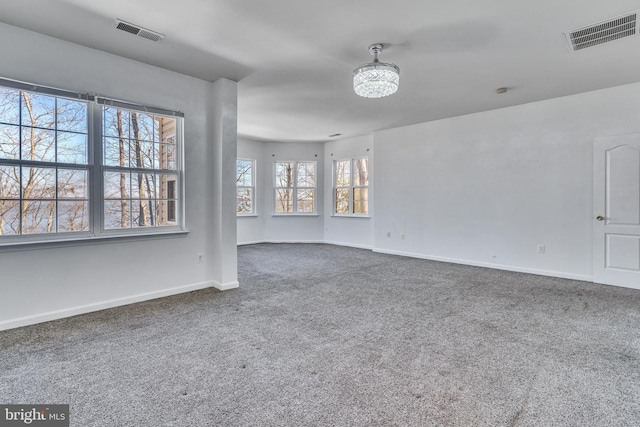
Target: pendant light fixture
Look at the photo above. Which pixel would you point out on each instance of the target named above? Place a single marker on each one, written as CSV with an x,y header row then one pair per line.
x,y
376,79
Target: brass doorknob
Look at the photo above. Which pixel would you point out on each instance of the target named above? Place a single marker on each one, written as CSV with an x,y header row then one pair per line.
x,y
599,217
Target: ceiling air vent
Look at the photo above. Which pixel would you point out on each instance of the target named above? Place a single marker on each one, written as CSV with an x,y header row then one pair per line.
x,y
603,32
138,31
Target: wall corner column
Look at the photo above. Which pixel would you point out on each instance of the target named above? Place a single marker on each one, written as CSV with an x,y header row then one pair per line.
x,y
223,267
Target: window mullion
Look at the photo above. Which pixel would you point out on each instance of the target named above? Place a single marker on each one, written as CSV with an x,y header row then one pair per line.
x,y
294,190
96,174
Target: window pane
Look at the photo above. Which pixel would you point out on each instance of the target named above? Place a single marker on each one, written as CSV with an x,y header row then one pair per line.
x,y
306,200
9,106
342,200
171,204
9,142
361,200
116,152
115,122
166,212
143,126
244,173
39,217
306,174
143,213
72,148
9,217
284,174
38,183
343,173
361,176
163,156
9,182
73,216
38,110
143,186
72,115
72,184
284,200
244,200
117,185
171,156
141,154
166,186
117,214
38,145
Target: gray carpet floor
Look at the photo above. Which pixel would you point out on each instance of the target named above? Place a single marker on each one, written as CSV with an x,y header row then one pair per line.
x,y
321,335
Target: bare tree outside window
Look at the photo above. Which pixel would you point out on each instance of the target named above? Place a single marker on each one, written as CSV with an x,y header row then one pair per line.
x,y
51,160
140,174
351,187
43,157
295,187
306,191
343,186
284,187
245,187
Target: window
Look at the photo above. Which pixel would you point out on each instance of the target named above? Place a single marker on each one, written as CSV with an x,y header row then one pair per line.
x,y
139,158
351,190
295,187
44,172
70,166
245,186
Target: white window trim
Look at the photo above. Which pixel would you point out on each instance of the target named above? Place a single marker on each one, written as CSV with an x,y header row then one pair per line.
x,y
351,187
95,168
294,189
254,211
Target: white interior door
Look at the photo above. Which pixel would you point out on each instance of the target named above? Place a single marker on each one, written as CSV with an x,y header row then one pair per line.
x,y
616,211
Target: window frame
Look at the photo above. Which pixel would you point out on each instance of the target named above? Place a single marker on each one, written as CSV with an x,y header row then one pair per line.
x,y
294,190
178,172
351,188
251,187
95,168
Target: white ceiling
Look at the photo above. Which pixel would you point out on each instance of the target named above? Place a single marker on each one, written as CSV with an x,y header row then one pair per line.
x,y
293,58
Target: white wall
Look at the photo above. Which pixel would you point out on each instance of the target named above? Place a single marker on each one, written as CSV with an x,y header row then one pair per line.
x,y
288,228
59,280
251,228
343,230
487,188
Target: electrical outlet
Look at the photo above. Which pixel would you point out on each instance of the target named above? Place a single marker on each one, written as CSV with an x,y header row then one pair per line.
x,y
541,249
389,234
401,236
199,258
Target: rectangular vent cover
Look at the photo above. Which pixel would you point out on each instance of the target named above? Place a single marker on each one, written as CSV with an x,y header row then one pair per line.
x,y
603,32
139,31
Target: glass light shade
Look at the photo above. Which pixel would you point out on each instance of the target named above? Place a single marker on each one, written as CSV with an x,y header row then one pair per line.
x,y
376,79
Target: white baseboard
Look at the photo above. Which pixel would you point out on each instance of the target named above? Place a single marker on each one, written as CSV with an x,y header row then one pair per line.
x,y
516,269
351,245
279,241
226,286
250,243
293,241
88,308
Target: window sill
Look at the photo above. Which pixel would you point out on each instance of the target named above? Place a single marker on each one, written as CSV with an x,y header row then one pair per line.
x,y
294,214
350,216
86,239
247,216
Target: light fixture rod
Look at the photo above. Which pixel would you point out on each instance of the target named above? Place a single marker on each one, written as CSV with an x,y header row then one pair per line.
x,y
375,49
